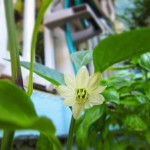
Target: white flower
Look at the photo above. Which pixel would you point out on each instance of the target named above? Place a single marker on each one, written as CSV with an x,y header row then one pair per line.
x,y
82,92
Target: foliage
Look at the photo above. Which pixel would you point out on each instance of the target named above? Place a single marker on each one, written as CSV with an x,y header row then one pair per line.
x,y
17,110
123,119
137,15
120,47
49,74
14,114
124,123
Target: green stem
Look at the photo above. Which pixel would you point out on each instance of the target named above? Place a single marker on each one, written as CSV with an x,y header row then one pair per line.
x,y
13,44
42,11
7,141
71,131
8,135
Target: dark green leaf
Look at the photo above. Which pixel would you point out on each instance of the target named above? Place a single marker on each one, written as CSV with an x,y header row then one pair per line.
x,y
147,135
49,74
134,122
120,47
82,58
43,143
17,111
130,101
47,143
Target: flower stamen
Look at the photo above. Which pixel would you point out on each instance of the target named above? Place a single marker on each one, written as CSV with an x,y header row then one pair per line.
x,y
81,95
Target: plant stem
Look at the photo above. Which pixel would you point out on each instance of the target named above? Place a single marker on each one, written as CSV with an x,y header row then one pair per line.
x,y
13,44
7,141
8,135
42,11
71,131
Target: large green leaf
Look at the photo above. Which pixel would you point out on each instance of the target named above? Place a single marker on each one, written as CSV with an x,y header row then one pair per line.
x,y
82,58
17,112
49,74
120,47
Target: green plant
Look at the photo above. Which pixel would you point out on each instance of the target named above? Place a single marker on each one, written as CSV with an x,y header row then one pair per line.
x,y
137,15
123,122
14,114
125,114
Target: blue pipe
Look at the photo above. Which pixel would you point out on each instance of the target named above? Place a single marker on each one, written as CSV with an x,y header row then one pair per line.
x,y
71,45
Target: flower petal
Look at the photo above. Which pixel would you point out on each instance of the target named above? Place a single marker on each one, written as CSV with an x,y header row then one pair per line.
x,y
65,92
93,81
82,78
88,105
96,99
98,90
77,110
69,101
70,81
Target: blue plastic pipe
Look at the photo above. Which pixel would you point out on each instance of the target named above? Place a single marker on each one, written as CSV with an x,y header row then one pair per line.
x,y
71,45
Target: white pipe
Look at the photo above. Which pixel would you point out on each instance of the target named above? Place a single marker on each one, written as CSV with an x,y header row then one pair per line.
x,y
49,49
49,55
29,21
3,31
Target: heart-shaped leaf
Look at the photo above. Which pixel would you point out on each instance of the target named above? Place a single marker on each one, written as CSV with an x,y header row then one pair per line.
x,y
117,48
82,58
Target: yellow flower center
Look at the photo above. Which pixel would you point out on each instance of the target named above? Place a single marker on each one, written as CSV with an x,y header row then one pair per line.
x,y
81,95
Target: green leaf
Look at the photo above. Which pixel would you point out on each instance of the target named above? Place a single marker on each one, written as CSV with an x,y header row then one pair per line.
x,y
119,80
145,61
43,143
120,47
49,74
111,95
130,101
134,122
46,143
147,136
90,117
82,58
17,111
147,88
121,145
